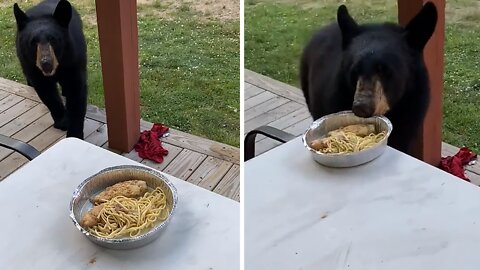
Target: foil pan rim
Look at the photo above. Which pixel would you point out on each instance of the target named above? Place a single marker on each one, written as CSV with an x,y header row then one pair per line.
x,y
146,235
322,119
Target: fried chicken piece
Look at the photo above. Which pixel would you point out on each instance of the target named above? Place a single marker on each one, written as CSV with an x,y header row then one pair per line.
x,y
129,189
90,218
322,143
359,130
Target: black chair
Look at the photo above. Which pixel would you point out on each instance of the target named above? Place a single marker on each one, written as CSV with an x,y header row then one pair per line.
x,y
24,149
270,132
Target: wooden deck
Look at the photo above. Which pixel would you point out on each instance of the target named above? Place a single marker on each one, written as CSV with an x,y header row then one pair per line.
x,y
208,164
273,103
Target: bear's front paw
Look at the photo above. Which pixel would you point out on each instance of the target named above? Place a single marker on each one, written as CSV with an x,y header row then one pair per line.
x,y
61,124
75,134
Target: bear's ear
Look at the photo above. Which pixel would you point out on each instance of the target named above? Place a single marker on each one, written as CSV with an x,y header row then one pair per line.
x,y
20,17
421,27
63,13
347,25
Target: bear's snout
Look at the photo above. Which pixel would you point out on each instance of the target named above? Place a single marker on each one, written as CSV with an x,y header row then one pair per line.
x,y
46,59
362,109
46,65
370,98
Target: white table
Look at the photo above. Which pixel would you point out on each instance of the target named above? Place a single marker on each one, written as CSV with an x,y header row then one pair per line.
x,y
393,213
37,233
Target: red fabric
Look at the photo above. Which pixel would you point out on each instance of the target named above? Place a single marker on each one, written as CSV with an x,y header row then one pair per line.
x,y
454,164
149,145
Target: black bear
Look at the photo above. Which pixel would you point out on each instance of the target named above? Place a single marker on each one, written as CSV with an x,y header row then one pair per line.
x,y
51,48
371,69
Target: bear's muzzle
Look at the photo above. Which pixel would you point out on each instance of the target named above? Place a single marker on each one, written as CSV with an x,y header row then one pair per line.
x,y
46,59
370,99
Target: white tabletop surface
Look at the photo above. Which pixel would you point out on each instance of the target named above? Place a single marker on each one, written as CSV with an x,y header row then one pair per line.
x,y
393,213
37,233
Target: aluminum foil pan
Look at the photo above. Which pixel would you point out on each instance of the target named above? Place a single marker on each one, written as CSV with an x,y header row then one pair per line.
x,y
320,127
80,203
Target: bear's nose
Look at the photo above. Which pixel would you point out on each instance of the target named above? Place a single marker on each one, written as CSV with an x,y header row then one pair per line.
x,y
46,65
361,109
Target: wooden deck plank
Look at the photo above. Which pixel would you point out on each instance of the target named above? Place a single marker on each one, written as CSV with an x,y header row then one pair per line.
x,y
95,113
41,142
473,177
288,120
299,128
291,119
89,127
11,164
198,144
173,152
28,133
18,89
185,164
258,99
133,155
273,86
230,184
16,110
3,94
272,115
296,129
9,101
46,138
39,130
35,128
99,136
210,173
23,120
251,91
264,145
264,107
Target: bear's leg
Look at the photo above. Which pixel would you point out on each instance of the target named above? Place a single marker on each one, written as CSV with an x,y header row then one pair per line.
x,y
403,137
76,98
47,92
398,142
304,70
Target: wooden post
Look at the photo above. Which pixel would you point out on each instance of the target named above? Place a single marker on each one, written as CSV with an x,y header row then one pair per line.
x,y
118,36
429,144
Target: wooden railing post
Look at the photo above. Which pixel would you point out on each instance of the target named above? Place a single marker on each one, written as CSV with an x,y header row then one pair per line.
x,y
118,36
429,143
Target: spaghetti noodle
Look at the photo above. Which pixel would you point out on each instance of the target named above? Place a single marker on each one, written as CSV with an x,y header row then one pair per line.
x,y
343,141
122,216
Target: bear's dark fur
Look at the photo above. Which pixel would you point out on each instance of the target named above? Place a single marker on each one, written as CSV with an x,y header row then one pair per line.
x,y
51,48
371,69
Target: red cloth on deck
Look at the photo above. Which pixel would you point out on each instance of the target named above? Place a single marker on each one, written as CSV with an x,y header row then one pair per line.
x,y
454,164
149,145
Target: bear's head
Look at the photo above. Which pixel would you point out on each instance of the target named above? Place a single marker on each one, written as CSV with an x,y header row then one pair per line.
x,y
42,40
379,58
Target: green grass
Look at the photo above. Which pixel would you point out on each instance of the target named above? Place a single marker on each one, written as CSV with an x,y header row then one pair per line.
x,y
189,68
275,34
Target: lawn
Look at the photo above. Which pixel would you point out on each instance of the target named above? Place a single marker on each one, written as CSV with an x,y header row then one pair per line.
x,y
276,31
189,63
